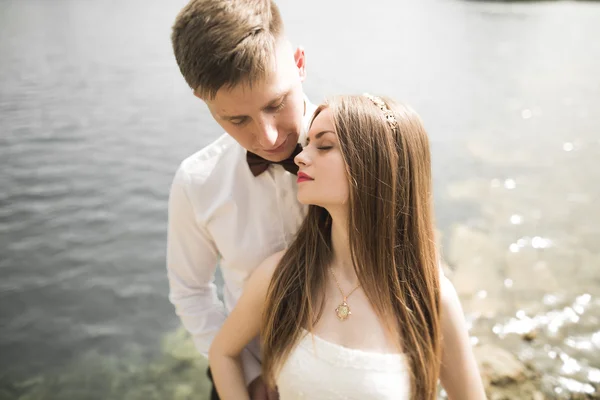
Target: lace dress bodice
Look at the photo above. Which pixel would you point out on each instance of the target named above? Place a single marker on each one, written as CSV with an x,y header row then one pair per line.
x,y
319,369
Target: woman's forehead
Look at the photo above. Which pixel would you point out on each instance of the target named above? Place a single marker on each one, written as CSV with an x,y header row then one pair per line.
x,y
322,122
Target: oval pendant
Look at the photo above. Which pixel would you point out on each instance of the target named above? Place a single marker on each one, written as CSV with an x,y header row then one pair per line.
x,y
343,311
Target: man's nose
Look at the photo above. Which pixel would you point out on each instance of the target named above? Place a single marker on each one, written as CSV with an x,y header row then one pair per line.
x,y
267,133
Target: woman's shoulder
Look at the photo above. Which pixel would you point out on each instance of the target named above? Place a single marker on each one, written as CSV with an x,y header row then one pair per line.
x,y
448,293
261,276
452,312
267,267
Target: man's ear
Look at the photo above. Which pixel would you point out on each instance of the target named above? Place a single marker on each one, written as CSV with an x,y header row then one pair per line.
x,y
300,60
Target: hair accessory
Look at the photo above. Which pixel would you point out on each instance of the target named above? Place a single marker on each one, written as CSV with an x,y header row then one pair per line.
x,y
389,115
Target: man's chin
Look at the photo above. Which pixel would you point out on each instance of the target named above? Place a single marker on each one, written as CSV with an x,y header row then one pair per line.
x,y
276,157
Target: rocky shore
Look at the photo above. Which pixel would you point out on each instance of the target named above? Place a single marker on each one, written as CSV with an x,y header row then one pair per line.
x,y
180,374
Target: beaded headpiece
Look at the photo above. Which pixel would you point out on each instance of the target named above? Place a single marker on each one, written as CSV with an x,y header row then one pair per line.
x,y
389,115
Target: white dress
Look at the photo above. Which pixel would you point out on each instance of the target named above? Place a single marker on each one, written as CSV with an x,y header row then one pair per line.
x,y
319,369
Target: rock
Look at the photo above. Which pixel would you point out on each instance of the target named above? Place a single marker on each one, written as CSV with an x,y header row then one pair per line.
x,y
478,276
505,377
530,336
183,392
180,346
498,366
538,396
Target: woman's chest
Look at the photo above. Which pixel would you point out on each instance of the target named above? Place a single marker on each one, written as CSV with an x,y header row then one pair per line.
x,y
353,324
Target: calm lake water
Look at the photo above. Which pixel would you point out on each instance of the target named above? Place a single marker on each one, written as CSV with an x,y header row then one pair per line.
x,y
95,117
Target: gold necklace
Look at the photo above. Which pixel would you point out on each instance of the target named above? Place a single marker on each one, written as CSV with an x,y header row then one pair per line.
x,y
343,310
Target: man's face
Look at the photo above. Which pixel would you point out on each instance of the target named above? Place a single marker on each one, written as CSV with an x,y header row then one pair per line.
x,y
266,117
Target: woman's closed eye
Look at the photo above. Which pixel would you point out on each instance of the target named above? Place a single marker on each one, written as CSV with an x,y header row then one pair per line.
x,y
319,145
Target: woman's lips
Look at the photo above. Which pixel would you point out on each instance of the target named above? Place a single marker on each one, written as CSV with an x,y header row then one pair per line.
x,y
302,177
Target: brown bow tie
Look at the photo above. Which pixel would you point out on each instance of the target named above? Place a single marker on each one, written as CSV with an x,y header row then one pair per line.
x,y
258,165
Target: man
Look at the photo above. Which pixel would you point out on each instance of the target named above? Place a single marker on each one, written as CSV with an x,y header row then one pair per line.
x,y
235,200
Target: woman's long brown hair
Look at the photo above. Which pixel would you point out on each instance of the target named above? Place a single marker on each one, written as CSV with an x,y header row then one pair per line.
x,y
391,237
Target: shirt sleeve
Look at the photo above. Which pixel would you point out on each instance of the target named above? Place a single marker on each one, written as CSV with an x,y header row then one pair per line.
x,y
252,366
191,264
192,258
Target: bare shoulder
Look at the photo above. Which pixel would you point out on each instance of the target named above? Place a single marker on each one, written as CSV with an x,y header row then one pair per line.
x,y
447,291
452,312
268,266
261,277
450,302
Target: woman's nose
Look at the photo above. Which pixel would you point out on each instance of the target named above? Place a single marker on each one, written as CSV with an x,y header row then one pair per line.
x,y
301,158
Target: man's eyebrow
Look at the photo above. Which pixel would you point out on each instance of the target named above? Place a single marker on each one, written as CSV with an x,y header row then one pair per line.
x,y
230,117
319,135
277,98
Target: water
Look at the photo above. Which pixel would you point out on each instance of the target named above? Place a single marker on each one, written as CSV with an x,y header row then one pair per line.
x,y
94,119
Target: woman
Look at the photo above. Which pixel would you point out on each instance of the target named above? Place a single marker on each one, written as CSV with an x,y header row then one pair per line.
x,y
356,307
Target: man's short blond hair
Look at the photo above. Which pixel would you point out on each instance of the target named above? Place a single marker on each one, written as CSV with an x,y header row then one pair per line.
x,y
221,43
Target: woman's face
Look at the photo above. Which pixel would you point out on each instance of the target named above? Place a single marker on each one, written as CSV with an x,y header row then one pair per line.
x,y
322,178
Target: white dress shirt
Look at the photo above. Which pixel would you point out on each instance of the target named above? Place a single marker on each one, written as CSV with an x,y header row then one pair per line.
x,y
220,213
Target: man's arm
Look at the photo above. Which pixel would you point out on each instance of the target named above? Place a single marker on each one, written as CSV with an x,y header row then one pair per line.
x,y
191,264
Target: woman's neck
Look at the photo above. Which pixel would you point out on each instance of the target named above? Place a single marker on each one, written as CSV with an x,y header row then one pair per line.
x,y
341,261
